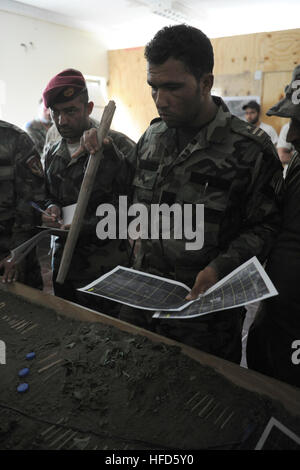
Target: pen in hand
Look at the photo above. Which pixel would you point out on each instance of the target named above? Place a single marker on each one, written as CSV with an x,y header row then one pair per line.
x,y
37,207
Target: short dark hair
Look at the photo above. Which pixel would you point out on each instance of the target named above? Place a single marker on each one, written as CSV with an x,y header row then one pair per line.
x,y
252,105
185,43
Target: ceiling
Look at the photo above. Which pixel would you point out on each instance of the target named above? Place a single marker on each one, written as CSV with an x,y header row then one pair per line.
x,y
132,23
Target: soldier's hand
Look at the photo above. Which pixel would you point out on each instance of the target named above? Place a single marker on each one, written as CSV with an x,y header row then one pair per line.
x,y
204,280
89,143
11,270
54,218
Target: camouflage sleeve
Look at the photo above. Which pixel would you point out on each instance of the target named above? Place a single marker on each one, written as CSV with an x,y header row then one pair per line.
x,y
29,186
261,217
119,165
122,142
50,197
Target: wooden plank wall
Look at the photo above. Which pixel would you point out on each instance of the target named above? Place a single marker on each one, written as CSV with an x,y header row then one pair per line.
x,y
237,58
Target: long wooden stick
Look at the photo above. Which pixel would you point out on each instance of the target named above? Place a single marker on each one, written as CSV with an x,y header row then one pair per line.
x,y
84,194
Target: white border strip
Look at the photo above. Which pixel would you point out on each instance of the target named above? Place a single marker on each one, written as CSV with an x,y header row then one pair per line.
x,y
274,423
259,268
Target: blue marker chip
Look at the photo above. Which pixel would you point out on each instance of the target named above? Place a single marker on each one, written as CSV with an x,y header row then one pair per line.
x,y
30,355
23,388
23,372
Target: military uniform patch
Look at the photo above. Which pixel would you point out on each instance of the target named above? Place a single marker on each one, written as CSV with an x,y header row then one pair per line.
x,y
35,165
69,92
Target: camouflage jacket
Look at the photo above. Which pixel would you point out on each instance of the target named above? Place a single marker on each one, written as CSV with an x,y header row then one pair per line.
x,y
37,130
65,175
22,181
229,166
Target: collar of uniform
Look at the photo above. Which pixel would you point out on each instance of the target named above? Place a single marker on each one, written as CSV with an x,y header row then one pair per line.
x,y
218,129
61,151
167,141
163,136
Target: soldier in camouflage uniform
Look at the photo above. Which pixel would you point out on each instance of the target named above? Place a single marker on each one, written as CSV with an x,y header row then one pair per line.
x,y
274,336
67,97
198,153
22,181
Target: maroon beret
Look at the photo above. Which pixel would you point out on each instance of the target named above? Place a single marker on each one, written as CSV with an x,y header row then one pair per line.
x,y
65,86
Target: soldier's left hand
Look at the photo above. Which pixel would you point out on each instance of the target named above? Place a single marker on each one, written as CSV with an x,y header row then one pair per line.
x,y
204,280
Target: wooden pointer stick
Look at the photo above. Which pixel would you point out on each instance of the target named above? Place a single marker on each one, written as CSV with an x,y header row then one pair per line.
x,y
85,191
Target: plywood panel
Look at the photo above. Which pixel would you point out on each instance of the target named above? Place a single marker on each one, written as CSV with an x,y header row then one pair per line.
x,y
279,50
128,88
273,90
237,54
282,50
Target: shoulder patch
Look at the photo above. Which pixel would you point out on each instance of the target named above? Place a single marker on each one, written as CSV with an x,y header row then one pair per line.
x,y
248,130
35,166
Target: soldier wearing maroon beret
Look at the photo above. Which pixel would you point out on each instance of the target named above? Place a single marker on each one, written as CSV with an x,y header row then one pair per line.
x,y
64,87
67,97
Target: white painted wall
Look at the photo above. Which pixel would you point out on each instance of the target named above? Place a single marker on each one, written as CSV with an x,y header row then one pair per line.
x,y
25,71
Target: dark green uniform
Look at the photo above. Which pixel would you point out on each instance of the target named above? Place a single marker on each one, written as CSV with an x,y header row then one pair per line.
x,y
277,323
92,257
274,336
21,181
231,167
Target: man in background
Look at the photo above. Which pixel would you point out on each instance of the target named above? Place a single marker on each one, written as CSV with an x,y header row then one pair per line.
x,y
252,115
67,97
21,181
38,128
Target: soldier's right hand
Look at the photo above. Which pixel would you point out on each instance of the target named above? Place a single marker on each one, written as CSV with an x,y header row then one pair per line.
x,y
54,219
89,143
204,280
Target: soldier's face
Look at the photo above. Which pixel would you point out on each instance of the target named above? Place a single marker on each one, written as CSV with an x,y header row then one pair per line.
x,y
72,118
293,135
251,115
179,98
